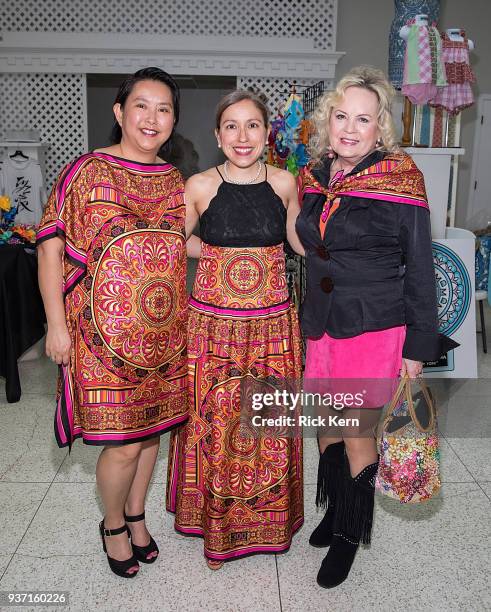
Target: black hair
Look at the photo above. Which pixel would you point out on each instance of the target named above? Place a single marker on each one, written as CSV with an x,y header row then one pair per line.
x,y
147,74
238,95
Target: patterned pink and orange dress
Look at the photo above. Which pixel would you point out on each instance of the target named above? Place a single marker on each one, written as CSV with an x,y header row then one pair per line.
x,y
124,274
241,490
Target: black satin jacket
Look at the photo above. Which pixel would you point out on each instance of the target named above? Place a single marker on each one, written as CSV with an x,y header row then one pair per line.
x,y
373,270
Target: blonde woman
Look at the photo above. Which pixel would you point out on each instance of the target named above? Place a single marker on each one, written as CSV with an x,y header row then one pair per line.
x,y
370,308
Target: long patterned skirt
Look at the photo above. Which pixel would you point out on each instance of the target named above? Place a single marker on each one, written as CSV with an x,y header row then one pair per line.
x,y
238,488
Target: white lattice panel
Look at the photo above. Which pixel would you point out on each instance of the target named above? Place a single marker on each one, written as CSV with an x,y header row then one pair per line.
x,y
276,90
53,104
314,19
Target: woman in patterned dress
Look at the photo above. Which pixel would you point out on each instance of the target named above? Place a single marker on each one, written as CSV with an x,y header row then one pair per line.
x,y
238,488
112,268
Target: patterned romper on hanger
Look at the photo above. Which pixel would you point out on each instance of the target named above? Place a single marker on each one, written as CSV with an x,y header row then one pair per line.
x,y
457,95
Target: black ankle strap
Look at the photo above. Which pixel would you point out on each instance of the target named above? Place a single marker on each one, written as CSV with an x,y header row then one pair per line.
x,y
113,532
134,519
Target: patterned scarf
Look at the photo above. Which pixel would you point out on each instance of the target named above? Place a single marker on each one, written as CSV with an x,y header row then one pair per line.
x,y
396,179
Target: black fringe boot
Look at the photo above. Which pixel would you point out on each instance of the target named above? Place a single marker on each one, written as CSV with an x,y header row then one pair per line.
x,y
330,475
353,524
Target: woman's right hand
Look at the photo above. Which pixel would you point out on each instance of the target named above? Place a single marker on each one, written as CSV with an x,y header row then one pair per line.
x,y
58,344
50,268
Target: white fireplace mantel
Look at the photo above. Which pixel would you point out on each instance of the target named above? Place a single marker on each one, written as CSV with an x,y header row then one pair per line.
x,y
292,58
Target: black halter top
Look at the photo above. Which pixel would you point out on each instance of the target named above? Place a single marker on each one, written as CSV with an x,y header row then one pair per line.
x,y
244,216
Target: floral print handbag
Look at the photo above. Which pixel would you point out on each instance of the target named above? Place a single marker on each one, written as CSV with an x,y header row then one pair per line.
x,y
409,464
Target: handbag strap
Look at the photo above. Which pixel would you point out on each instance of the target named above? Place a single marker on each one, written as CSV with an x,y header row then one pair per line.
x,y
429,402
404,389
393,401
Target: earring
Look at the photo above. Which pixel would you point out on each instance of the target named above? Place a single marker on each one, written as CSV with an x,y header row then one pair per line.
x,y
219,146
330,152
378,142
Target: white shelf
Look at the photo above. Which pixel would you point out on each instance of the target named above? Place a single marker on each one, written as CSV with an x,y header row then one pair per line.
x,y
434,150
111,53
15,144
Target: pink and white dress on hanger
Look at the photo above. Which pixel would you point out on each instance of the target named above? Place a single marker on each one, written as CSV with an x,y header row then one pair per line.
x,y
423,65
457,95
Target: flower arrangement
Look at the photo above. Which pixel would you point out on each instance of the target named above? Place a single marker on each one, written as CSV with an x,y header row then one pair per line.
x,y
5,203
10,234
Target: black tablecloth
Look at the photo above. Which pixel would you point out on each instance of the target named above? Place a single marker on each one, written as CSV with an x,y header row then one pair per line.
x,y
21,313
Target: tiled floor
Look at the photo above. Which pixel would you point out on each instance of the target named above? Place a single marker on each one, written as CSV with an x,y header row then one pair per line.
x,y
428,557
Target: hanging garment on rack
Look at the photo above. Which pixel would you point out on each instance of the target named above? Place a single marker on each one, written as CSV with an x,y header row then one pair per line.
x,y
424,71
457,94
404,11
21,180
288,137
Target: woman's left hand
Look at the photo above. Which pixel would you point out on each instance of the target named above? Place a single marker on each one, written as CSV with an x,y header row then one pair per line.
x,y
411,368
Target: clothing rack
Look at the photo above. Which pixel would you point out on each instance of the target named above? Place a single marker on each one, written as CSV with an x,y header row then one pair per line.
x,y
296,270
311,96
294,86
295,265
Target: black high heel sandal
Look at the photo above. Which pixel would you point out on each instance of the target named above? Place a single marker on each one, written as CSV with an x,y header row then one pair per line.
x,y
141,552
120,568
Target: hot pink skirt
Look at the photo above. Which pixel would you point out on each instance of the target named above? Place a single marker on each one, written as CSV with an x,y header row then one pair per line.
x,y
371,361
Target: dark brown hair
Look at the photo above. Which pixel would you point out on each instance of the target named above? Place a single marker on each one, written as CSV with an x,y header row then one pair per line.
x,y
147,74
238,95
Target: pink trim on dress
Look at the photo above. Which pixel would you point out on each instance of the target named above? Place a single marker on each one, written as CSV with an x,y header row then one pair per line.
x,y
132,165
226,312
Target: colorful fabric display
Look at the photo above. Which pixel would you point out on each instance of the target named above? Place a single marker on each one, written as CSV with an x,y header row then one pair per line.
x,y
404,11
423,67
290,133
293,112
457,94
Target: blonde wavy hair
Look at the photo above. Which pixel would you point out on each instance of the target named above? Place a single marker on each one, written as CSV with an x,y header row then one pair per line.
x,y
369,78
